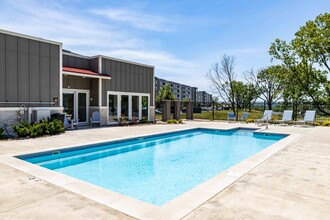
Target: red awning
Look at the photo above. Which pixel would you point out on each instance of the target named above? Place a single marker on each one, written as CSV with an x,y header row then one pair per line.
x,y
82,71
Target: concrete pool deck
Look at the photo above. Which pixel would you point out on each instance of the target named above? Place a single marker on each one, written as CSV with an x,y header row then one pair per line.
x,y
294,183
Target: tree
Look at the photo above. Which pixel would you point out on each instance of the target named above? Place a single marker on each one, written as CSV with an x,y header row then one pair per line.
x,y
222,77
267,84
313,40
251,91
239,90
251,94
165,93
310,47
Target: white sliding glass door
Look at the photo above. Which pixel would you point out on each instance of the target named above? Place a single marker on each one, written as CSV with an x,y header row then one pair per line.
x,y
75,103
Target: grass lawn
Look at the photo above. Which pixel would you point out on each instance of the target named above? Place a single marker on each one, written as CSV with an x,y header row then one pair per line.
x,y
220,115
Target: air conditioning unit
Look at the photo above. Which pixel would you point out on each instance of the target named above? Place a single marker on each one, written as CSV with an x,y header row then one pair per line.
x,y
40,114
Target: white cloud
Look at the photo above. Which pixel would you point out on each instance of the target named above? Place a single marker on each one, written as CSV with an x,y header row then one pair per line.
x,y
138,20
81,33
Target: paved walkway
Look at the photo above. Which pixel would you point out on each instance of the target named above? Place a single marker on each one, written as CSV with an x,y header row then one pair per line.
x,y
293,184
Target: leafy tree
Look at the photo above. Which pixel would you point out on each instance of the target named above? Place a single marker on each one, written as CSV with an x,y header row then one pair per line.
x,y
309,48
251,94
239,92
165,93
313,40
222,79
266,84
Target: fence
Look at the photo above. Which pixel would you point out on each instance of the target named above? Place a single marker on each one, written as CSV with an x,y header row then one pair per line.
x,y
299,110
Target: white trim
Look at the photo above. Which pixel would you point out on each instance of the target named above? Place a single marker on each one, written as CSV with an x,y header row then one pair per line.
x,y
75,105
124,61
140,107
153,87
61,79
100,64
129,94
85,75
29,37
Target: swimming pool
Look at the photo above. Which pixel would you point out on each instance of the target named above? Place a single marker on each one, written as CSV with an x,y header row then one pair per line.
x,y
158,168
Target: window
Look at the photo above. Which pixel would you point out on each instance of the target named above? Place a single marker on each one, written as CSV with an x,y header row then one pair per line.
x,y
135,106
145,107
124,106
113,105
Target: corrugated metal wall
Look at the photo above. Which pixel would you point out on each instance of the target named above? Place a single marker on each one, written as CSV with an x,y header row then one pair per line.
x,y
29,71
127,77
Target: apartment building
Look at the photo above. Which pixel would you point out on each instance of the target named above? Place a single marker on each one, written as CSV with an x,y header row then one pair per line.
x,y
39,78
203,98
181,91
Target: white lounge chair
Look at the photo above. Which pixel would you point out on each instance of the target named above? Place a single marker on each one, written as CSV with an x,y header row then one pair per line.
x,y
231,116
287,117
95,119
309,118
266,117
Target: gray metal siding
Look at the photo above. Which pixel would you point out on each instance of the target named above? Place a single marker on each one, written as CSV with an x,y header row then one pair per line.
x,y
2,67
11,69
55,68
76,62
29,71
23,70
44,70
94,92
35,69
127,77
94,65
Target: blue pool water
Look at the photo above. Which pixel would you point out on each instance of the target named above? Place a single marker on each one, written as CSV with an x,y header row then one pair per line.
x,y
156,169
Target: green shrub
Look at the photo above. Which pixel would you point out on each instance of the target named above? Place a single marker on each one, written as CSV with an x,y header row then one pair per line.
x,y
23,129
275,117
314,124
171,121
52,127
143,121
36,130
326,123
250,120
122,121
180,121
55,127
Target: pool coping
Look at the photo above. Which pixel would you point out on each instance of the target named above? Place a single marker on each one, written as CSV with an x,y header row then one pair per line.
x,y
175,208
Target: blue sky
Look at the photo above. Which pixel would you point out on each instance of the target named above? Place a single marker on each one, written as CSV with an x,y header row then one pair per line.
x,y
182,39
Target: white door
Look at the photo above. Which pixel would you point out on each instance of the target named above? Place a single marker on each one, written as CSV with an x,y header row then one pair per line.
x,y
75,103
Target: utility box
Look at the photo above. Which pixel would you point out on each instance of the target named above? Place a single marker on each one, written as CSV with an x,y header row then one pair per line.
x,y
40,114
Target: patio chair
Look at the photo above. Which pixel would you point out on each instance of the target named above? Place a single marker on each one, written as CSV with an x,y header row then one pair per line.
x,y
265,118
244,117
231,116
70,124
287,117
95,119
309,118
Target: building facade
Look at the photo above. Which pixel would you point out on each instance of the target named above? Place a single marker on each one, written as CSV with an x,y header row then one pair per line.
x,y
39,78
180,91
204,98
